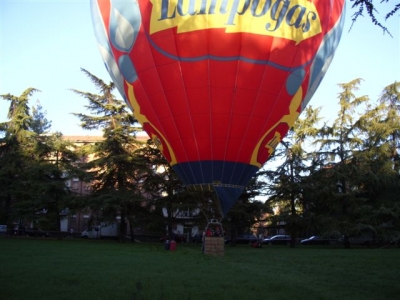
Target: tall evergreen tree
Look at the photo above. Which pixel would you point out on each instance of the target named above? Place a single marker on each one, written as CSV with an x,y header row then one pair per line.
x,y
55,163
170,196
287,186
247,211
34,163
18,129
338,143
377,174
115,173
16,148
39,123
390,98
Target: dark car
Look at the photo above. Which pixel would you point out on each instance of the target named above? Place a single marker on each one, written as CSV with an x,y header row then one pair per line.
x,y
243,239
25,231
362,240
280,239
3,229
19,230
37,233
315,240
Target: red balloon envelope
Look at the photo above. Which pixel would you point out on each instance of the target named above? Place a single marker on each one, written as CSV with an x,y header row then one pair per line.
x,y
217,83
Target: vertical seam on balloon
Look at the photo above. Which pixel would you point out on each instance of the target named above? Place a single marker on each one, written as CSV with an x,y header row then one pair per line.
x,y
190,116
245,134
210,103
173,117
232,106
165,97
253,109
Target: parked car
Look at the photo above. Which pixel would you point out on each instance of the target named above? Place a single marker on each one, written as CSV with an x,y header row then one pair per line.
x,y
103,231
88,234
3,229
26,231
36,232
315,240
279,239
362,240
19,230
243,239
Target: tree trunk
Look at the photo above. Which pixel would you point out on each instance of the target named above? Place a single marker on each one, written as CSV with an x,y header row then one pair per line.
x,y
292,205
131,229
122,228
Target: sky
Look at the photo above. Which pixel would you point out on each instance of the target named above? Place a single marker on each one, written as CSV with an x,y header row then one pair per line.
x,y
45,43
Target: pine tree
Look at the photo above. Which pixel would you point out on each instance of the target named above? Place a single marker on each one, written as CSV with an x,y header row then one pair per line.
x,y
288,180
170,196
55,163
339,143
377,174
247,212
16,148
115,173
39,123
390,98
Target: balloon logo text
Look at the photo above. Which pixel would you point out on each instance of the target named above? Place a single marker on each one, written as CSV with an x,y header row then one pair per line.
x,y
296,20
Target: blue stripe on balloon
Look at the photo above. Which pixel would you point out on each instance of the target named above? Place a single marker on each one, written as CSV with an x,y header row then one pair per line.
x,y
215,172
226,58
226,179
294,81
227,197
127,69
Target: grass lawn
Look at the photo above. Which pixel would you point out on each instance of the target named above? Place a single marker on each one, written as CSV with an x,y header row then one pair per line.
x,y
41,269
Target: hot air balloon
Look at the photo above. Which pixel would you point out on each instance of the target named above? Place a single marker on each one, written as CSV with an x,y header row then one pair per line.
x,y
217,83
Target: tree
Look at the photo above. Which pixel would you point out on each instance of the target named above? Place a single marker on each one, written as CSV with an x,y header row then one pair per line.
x,y
169,195
371,7
55,163
16,148
39,123
351,184
339,143
287,181
246,212
19,124
34,165
377,180
390,98
115,173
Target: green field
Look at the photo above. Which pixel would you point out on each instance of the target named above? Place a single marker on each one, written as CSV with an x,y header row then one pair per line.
x,y
43,269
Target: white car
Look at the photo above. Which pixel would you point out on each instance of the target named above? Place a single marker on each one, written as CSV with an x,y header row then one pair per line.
x,y
280,239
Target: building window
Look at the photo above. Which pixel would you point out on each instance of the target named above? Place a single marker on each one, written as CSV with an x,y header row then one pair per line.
x,y
74,185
